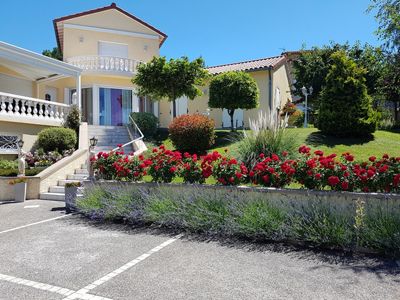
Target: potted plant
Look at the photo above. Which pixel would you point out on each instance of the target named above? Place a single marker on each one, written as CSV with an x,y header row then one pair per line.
x,y
71,191
19,188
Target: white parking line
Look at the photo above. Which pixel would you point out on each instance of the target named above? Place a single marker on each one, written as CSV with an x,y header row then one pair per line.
x,y
31,206
47,287
32,224
82,292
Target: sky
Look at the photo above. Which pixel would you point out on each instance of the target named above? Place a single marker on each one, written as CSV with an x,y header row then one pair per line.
x,y
221,31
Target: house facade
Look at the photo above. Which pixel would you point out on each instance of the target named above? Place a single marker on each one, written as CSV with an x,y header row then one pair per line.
x,y
101,50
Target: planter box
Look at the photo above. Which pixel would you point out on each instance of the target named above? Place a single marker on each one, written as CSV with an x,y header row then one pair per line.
x,y
70,198
20,192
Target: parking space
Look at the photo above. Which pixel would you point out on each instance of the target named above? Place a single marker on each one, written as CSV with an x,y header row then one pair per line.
x,y
45,254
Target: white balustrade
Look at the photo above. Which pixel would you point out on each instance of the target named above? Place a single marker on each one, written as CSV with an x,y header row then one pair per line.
x,y
100,63
21,107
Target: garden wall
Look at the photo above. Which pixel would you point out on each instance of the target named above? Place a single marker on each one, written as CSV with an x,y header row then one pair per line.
x,y
296,198
7,190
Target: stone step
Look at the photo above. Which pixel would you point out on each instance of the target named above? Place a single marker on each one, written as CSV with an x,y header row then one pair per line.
x,y
52,196
82,171
57,189
62,182
77,176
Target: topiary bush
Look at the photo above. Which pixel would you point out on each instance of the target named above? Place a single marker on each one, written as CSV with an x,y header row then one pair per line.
x,y
192,133
73,119
345,106
147,122
60,139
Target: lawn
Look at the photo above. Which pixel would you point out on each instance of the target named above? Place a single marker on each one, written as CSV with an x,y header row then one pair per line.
x,y
380,143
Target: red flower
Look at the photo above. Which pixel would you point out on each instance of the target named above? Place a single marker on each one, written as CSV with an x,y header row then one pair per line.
x,y
333,180
231,179
318,176
349,157
385,156
370,173
262,155
119,145
265,178
372,158
345,185
172,169
318,152
275,157
251,174
285,153
238,175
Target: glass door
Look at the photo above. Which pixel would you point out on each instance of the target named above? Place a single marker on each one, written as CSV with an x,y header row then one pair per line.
x,y
115,105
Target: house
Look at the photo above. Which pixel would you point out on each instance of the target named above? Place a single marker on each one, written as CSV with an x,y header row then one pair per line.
x,y
271,76
101,51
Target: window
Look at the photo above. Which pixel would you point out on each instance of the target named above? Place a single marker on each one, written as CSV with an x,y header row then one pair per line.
x,y
113,49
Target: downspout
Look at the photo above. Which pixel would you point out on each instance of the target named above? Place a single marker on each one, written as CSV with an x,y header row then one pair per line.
x,y
270,88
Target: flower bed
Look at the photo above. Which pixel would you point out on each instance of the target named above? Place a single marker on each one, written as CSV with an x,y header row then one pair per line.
x,y
315,171
330,219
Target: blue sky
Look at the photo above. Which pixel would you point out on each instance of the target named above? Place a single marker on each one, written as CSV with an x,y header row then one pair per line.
x,y
221,31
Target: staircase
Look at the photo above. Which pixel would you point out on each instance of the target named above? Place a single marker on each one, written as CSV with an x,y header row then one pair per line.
x,y
109,137
57,192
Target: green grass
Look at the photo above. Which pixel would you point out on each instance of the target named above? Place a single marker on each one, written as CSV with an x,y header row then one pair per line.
x,y
379,143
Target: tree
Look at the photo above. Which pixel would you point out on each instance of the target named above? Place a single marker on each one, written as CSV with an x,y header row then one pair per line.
x,y
312,67
388,17
233,90
345,106
162,79
390,82
55,53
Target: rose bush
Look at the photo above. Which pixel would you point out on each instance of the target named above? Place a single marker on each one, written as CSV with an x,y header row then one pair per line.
x,y
312,170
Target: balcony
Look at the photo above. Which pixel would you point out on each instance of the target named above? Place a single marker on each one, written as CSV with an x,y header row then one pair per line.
x,y
21,109
105,64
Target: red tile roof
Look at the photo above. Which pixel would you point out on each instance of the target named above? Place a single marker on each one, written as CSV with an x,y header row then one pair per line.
x,y
112,6
251,65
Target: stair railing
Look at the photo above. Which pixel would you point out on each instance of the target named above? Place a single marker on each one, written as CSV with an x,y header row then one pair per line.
x,y
134,131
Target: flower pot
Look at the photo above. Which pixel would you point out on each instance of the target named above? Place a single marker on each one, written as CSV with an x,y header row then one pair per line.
x,y
70,198
20,191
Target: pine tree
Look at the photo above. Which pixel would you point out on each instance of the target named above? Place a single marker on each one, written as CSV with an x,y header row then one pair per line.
x,y
345,107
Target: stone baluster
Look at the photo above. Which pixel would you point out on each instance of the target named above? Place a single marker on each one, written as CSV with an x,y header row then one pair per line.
x,y
3,105
29,110
23,109
46,111
57,114
51,111
35,110
40,112
16,106
62,113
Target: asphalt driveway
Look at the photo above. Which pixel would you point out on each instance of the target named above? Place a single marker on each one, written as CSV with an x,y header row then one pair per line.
x,y
45,254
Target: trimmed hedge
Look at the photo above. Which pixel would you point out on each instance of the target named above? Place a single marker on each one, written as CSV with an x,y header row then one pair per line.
x,y
147,122
14,172
60,139
193,133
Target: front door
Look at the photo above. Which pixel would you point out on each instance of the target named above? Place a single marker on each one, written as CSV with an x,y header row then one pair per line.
x,y
115,105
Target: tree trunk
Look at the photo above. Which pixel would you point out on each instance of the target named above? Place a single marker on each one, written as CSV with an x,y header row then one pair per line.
x,y
231,113
174,108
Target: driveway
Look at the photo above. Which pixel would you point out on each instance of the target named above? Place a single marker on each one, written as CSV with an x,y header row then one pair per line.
x,y
45,254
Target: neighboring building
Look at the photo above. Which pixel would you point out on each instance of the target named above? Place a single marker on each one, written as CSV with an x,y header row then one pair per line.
x,y
271,75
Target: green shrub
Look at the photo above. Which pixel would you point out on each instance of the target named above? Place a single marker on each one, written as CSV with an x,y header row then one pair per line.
x,y
73,119
8,164
192,133
296,119
14,172
60,139
345,106
147,122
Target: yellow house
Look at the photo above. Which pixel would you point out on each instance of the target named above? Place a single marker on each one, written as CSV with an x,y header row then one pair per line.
x,y
271,75
101,50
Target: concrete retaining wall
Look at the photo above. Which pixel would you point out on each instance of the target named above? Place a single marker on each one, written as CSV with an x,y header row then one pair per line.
x,y
295,198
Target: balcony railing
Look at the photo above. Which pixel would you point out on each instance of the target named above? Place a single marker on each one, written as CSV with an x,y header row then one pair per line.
x,y
99,63
16,108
